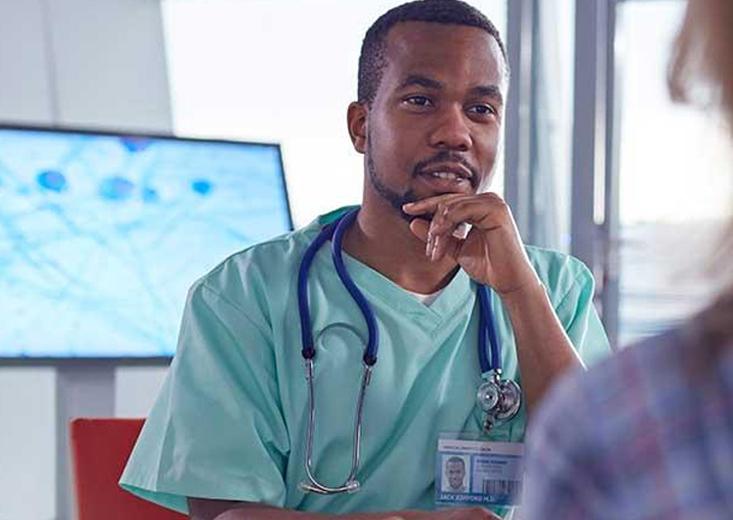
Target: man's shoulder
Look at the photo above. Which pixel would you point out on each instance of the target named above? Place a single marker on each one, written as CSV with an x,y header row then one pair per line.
x,y
560,273
265,257
271,264
265,263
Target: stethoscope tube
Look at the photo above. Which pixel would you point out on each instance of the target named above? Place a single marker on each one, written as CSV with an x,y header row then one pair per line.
x,y
306,337
370,354
336,231
351,485
487,331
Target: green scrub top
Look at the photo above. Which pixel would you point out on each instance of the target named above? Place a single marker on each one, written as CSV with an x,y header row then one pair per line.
x,y
231,419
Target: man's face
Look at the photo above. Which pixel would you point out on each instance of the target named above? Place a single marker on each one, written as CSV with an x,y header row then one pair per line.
x,y
434,126
455,471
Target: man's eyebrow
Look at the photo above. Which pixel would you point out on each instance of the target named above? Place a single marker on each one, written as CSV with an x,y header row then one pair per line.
x,y
421,81
492,91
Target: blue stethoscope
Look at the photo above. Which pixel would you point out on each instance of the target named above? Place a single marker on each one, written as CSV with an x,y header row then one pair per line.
x,y
500,399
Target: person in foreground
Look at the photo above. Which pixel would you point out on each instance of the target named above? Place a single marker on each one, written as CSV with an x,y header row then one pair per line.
x,y
648,434
239,431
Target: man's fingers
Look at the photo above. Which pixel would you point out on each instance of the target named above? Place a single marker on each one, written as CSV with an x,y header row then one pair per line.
x,y
420,228
435,249
445,245
452,215
475,212
429,206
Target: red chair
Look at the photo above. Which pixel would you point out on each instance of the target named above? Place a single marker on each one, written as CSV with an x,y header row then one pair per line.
x,y
99,451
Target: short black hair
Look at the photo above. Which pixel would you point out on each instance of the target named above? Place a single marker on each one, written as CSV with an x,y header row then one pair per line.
x,y
372,59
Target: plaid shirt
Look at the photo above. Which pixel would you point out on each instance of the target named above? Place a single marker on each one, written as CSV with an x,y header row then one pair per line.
x,y
647,434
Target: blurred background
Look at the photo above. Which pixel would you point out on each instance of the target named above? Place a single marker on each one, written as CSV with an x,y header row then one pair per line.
x,y
597,162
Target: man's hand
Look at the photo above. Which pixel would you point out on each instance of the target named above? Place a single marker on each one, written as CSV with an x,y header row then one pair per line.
x,y
454,513
466,513
458,513
209,509
492,253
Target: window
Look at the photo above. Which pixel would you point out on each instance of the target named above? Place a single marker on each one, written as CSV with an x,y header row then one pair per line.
x,y
552,122
672,178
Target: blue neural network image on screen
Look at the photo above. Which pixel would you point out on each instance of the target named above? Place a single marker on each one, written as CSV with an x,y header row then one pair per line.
x,y
102,235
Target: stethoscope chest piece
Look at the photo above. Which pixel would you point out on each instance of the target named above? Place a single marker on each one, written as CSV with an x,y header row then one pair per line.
x,y
500,399
488,396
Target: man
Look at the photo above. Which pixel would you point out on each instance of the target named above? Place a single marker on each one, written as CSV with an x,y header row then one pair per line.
x,y
455,472
228,434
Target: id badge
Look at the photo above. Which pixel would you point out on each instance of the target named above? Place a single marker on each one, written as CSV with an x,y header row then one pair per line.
x,y
474,471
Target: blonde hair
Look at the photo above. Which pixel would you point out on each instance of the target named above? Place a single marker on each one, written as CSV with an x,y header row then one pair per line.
x,y
701,72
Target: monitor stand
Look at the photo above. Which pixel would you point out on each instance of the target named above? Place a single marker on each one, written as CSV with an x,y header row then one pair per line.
x,y
86,389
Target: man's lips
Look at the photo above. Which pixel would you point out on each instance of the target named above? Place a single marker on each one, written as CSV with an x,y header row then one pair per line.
x,y
441,182
452,171
447,177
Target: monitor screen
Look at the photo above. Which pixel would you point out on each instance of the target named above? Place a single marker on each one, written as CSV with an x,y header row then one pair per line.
x,y
102,234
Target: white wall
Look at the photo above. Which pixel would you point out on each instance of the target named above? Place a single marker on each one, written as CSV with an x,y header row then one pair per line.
x,y
82,63
27,444
25,93
110,63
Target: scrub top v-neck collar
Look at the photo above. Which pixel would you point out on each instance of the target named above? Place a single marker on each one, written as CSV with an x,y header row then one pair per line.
x,y
376,286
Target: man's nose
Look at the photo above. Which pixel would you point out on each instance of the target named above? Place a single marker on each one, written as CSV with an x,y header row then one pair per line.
x,y
451,131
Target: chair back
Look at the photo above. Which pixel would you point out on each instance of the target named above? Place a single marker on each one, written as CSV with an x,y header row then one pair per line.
x,y
99,451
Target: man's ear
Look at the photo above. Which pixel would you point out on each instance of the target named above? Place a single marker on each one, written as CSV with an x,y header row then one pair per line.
x,y
356,118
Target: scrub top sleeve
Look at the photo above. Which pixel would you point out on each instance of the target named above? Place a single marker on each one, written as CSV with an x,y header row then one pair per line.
x,y
216,430
580,320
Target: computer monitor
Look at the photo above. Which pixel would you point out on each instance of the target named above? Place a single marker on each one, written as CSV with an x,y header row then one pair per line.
x,y
102,234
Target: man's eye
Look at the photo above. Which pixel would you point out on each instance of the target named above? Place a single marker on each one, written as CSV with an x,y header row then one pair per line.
x,y
483,110
420,101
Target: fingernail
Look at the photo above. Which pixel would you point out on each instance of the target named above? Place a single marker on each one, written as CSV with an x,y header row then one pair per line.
x,y
434,253
408,204
429,245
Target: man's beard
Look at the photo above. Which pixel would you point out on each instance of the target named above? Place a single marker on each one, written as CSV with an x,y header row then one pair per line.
x,y
395,199
398,200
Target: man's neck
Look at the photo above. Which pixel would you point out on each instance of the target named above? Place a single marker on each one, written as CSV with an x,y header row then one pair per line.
x,y
381,238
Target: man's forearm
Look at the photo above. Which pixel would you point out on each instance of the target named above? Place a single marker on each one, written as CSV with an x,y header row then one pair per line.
x,y
212,509
544,350
260,512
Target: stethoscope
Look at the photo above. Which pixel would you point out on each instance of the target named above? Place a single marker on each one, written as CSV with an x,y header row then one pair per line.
x,y
500,399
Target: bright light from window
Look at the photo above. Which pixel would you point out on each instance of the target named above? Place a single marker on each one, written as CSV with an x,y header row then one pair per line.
x,y
674,178
671,156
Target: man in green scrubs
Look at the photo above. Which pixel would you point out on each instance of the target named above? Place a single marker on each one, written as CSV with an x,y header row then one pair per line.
x,y
227,435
